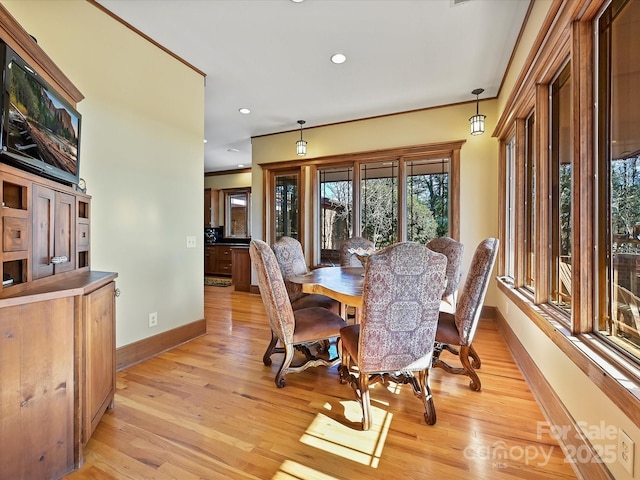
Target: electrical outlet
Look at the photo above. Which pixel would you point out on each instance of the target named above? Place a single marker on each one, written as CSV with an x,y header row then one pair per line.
x,y
626,451
191,241
153,319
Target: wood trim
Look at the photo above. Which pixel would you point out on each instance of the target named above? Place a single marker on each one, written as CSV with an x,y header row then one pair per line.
x,y
552,407
146,348
619,380
454,194
542,161
227,172
146,37
27,47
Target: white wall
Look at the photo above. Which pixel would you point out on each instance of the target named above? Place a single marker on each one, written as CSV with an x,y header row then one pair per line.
x,y
141,155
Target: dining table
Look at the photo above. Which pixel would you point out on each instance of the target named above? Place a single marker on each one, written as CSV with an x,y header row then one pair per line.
x,y
343,284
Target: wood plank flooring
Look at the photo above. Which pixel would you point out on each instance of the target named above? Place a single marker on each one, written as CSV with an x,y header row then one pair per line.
x,y
210,410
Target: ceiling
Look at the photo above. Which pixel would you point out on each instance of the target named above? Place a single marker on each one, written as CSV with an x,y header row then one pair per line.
x,y
273,57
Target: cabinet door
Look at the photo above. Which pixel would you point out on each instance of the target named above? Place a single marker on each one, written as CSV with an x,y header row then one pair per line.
x,y
99,356
54,225
209,260
43,239
224,259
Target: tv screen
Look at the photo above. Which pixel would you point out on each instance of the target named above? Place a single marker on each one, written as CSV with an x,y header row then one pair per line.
x,y
41,131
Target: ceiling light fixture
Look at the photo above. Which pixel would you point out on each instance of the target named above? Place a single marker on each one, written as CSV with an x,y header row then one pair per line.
x,y
244,110
338,58
301,145
477,121
240,165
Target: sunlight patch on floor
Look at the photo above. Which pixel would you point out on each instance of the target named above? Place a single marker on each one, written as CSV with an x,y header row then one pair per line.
x,y
291,470
350,442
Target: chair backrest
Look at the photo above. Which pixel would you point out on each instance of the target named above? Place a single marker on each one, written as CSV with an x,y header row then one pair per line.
x,y
403,285
475,288
349,259
272,290
453,250
290,257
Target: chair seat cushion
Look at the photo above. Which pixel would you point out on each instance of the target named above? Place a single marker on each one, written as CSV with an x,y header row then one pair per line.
x,y
316,300
316,323
350,336
447,331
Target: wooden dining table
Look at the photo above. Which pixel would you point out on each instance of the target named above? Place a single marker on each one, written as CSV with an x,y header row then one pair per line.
x,y
343,284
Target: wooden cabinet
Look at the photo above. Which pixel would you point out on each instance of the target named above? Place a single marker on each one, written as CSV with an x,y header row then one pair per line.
x,y
99,356
211,206
218,260
57,372
241,269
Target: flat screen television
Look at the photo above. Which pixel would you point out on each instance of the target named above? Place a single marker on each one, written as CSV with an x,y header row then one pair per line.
x,y
39,129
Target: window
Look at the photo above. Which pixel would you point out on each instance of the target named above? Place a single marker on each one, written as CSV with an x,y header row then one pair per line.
x,y
427,187
379,202
510,208
237,213
560,185
336,211
618,166
286,205
530,203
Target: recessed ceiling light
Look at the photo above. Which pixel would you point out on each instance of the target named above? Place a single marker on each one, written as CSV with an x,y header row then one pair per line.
x,y
240,165
232,150
244,110
338,58
205,140
297,1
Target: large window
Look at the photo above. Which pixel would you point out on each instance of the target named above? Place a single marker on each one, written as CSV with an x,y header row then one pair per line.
x,y
336,211
530,202
427,187
618,197
379,202
510,207
560,186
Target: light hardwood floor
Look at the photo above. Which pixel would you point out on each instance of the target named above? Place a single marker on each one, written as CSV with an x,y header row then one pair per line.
x,y
210,410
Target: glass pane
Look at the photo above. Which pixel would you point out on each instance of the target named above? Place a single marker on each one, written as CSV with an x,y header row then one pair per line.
x,y
379,202
286,193
561,185
510,203
427,199
530,204
336,212
237,221
619,189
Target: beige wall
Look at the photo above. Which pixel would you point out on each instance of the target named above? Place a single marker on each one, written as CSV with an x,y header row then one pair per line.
x,y
478,158
584,401
141,156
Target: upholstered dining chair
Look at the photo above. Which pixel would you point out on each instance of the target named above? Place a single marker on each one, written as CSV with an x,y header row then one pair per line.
x,y
453,250
290,257
456,330
403,285
348,259
302,329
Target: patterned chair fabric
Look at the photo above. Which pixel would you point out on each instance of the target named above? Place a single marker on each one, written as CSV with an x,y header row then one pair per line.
x,y
458,329
402,289
290,256
453,250
349,259
300,329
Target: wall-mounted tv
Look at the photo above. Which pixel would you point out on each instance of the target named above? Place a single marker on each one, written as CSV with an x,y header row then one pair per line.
x,y
39,129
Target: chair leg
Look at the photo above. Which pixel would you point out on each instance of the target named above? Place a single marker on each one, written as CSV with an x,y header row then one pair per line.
x,y
476,363
266,358
363,383
475,383
286,363
344,369
426,396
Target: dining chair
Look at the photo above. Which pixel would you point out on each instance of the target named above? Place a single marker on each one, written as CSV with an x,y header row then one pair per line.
x,y
456,330
290,257
301,330
403,285
453,250
348,259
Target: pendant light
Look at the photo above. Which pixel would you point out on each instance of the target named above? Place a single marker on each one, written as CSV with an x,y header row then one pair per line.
x,y
477,121
301,145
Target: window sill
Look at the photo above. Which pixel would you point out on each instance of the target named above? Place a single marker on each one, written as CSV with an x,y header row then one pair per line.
x,y
612,372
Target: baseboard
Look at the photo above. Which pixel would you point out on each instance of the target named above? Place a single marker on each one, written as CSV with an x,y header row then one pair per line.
x,y
553,409
146,348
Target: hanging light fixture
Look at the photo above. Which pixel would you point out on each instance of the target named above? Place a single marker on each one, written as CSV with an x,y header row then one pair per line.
x,y
301,145
477,121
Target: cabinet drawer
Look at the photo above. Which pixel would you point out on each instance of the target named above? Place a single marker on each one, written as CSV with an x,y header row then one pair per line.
x,y
223,252
83,236
224,267
14,234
